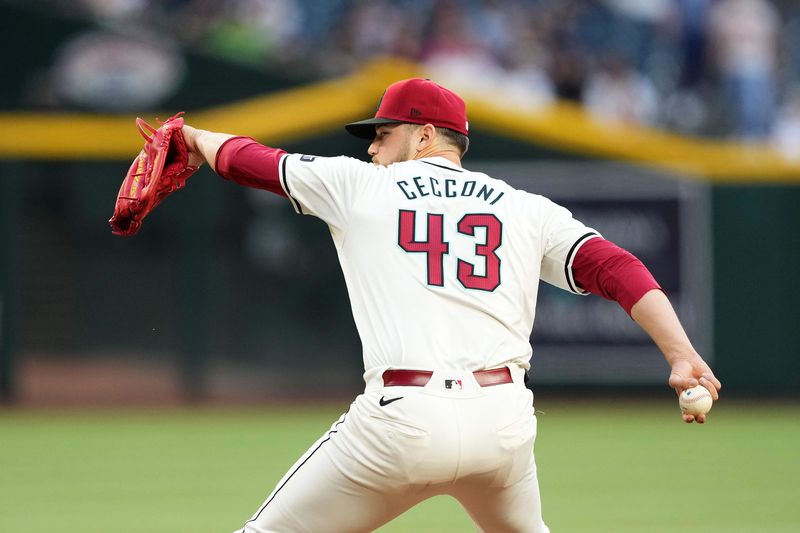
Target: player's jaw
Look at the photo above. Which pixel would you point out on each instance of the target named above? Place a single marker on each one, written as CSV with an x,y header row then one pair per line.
x,y
393,143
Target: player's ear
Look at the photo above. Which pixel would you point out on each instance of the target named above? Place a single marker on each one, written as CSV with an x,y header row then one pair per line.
x,y
426,135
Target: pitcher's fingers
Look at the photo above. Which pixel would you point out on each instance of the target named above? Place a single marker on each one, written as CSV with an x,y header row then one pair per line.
x,y
688,418
681,383
713,379
710,387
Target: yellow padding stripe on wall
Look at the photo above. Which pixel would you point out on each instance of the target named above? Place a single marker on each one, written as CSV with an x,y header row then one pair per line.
x,y
567,127
304,112
278,117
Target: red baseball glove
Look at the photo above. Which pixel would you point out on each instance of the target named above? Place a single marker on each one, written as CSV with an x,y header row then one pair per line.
x,y
161,168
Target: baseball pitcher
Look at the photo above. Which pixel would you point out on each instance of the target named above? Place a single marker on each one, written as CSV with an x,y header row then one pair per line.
x,y
442,267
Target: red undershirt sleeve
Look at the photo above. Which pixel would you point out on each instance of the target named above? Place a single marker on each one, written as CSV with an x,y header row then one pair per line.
x,y
603,268
249,163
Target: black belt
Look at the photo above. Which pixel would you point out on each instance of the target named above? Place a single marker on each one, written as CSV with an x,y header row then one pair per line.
x,y
420,378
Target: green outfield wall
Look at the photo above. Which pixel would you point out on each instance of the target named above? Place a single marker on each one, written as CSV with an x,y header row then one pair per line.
x,y
201,285
756,263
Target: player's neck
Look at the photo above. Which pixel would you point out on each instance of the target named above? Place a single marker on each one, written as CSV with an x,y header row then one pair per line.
x,y
438,151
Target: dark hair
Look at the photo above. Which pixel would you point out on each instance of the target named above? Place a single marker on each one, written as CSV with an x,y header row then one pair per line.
x,y
459,140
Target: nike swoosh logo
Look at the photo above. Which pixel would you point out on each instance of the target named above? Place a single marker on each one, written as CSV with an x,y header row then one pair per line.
x,y
384,402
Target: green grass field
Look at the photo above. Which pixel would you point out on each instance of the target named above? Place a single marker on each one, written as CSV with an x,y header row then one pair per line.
x,y
602,468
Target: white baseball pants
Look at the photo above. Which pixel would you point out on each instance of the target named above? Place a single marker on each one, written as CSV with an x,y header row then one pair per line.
x,y
377,461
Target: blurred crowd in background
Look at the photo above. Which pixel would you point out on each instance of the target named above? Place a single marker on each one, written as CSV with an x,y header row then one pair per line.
x,y
718,68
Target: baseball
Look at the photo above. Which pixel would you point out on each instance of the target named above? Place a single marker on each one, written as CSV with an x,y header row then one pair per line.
x,y
695,401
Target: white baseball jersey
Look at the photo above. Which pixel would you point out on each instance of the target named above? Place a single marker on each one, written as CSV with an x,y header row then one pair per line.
x,y
442,265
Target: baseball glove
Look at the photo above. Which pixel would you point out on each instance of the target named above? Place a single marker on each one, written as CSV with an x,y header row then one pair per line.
x,y
161,168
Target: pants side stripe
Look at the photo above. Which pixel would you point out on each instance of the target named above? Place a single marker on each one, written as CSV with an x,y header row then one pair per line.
x,y
285,481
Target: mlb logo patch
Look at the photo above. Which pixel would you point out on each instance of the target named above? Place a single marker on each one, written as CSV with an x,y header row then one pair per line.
x,y
452,384
307,158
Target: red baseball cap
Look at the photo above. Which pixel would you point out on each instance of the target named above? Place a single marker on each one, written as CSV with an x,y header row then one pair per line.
x,y
415,101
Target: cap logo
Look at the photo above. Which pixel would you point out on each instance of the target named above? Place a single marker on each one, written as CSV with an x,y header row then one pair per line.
x,y
415,112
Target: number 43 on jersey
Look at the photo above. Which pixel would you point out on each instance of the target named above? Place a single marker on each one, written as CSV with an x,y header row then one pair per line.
x,y
435,247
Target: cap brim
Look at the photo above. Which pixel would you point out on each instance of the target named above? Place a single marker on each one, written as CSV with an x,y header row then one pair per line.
x,y
365,129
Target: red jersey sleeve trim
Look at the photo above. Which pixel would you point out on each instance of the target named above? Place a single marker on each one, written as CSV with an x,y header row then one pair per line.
x,y
603,268
568,271
284,179
249,163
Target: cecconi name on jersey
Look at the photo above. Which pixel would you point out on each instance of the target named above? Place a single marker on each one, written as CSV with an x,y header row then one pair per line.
x,y
420,186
